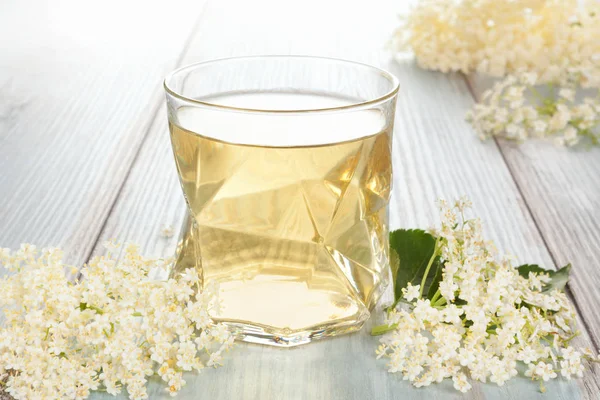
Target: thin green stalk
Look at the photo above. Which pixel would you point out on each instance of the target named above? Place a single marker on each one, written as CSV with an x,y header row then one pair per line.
x,y
440,302
536,94
392,306
433,256
589,134
381,329
436,296
395,304
574,335
98,310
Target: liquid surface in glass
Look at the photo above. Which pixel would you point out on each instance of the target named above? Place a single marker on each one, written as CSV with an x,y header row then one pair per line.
x,y
288,213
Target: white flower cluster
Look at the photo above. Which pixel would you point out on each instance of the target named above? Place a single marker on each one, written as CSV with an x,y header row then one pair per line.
x,y
527,41
109,331
483,320
497,37
516,110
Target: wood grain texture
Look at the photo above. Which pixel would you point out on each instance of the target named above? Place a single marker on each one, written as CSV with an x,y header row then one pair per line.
x,y
435,154
79,85
562,189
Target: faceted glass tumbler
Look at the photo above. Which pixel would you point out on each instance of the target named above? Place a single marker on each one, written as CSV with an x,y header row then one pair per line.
x,y
285,165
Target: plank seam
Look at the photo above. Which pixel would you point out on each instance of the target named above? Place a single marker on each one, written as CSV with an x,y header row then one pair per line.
x,y
152,122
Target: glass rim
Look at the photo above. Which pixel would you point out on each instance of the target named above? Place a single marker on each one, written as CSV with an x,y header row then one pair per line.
x,y
395,85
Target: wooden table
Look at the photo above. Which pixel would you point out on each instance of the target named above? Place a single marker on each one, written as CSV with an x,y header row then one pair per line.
x,y
84,157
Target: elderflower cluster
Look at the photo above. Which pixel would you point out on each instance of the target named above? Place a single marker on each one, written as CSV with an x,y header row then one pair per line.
x,y
528,42
110,331
504,111
497,37
483,320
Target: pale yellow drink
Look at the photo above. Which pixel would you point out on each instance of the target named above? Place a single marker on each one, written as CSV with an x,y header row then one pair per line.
x,y
289,211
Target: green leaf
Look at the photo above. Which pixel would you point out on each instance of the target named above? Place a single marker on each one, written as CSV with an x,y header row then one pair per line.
x,y
558,279
394,263
414,248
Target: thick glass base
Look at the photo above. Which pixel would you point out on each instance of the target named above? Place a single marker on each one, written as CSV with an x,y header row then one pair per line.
x,y
289,338
279,303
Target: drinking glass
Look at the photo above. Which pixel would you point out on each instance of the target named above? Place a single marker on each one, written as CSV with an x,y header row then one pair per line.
x,y
285,165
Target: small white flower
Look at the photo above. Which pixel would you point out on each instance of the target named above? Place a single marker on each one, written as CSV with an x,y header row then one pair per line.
x,y
448,288
571,137
220,333
528,355
531,368
545,371
559,142
411,292
530,78
167,231
452,314
567,94
466,356
539,127
215,359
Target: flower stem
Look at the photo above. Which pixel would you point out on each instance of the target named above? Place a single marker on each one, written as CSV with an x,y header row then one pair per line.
x,y
381,329
440,302
536,94
436,296
433,256
574,335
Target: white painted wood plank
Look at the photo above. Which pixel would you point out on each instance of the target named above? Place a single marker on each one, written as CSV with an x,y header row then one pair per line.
x,y
435,154
562,188
79,84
